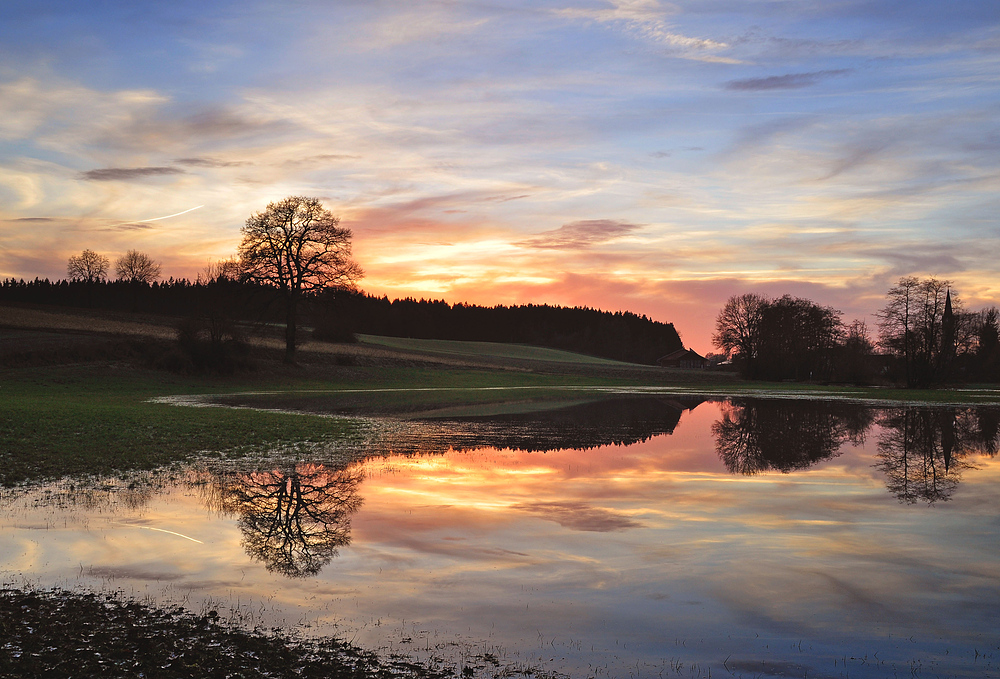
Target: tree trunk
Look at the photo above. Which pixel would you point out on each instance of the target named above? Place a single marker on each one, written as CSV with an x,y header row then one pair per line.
x,y
290,320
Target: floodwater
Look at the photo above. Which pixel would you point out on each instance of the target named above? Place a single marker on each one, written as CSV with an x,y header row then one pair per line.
x,y
631,537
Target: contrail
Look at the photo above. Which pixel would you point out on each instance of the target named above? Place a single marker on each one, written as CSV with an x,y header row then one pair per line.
x,y
159,530
156,219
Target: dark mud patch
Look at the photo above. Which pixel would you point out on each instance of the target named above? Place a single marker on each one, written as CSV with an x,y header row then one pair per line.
x,y
58,633
61,633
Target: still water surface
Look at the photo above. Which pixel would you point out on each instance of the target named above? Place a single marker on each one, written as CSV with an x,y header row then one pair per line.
x,y
653,536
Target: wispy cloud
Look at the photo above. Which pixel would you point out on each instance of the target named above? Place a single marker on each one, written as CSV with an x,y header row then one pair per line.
x,y
212,162
321,158
131,227
580,234
921,258
646,20
109,174
788,81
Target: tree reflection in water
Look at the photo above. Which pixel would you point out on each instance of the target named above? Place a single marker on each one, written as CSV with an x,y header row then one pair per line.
x,y
923,451
292,520
754,437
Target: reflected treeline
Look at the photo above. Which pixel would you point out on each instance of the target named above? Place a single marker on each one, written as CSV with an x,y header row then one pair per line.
x,y
620,421
924,451
292,520
921,450
757,436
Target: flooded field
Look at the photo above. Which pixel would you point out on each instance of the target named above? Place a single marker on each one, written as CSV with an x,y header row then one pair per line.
x,y
635,536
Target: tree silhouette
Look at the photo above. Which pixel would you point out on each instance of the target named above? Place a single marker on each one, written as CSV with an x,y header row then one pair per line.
x,y
914,326
292,520
88,267
778,339
797,339
137,267
298,247
737,329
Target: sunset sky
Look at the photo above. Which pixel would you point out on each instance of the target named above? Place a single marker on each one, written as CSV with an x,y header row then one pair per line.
x,y
625,154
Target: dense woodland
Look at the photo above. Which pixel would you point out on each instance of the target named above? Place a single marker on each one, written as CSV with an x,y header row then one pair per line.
x,y
217,306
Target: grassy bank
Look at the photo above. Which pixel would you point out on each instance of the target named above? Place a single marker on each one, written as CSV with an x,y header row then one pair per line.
x,y
98,419
58,421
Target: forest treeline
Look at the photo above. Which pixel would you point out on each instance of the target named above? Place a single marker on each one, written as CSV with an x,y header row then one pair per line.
x,y
215,307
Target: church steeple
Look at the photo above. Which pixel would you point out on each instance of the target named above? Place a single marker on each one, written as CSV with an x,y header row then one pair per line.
x,y
947,331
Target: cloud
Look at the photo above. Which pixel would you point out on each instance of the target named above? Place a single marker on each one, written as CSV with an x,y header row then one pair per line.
x,y
667,153
789,81
321,158
110,174
579,516
130,227
644,20
220,121
33,219
580,234
856,158
909,259
163,129
424,25
211,162
30,107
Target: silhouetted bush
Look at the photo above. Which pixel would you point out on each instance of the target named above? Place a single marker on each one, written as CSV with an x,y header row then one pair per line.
x,y
331,327
201,350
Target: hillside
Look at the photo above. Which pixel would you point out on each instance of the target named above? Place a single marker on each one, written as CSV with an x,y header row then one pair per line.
x,y
44,335
620,335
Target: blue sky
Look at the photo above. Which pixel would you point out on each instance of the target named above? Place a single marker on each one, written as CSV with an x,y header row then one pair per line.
x,y
650,156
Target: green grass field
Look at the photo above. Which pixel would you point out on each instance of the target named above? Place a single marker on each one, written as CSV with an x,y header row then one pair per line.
x,y
81,420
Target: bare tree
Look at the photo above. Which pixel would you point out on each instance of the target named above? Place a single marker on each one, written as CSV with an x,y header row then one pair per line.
x,y
914,325
297,246
137,267
221,270
88,267
737,328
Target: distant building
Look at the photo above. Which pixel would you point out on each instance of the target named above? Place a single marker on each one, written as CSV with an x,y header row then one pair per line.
x,y
683,358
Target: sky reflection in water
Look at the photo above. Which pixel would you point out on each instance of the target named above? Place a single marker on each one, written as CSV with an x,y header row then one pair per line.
x,y
751,536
